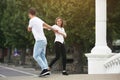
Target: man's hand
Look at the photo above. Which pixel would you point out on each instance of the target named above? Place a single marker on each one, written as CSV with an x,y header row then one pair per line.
x,y
54,30
29,29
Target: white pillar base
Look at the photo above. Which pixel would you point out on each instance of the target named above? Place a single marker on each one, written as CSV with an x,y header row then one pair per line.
x,y
101,50
96,63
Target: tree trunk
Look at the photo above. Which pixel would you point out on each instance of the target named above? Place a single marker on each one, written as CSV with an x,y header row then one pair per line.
x,y
78,59
23,56
2,59
9,55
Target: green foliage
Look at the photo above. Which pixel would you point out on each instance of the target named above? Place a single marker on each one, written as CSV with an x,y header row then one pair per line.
x,y
14,24
113,19
2,7
78,15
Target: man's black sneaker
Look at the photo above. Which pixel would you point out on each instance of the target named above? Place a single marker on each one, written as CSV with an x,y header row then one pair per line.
x,y
64,73
44,73
47,74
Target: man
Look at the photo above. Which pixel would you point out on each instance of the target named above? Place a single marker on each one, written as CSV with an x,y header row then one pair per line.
x,y
36,25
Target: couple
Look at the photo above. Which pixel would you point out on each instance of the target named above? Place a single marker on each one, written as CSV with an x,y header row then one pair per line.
x,y
36,25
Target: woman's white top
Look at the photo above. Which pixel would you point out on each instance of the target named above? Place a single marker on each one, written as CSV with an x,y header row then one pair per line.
x,y
59,37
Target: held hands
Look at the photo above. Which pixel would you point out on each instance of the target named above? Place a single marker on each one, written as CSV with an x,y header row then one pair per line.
x,y
55,31
61,33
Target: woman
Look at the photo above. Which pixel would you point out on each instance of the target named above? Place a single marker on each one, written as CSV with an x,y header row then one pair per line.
x,y
59,44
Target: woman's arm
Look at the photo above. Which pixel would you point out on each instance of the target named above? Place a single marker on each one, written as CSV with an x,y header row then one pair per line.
x,y
62,33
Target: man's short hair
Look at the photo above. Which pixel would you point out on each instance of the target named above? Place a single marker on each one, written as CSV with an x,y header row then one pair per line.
x,y
32,11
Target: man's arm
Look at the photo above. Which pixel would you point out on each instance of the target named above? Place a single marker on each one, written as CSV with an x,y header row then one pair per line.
x,y
48,27
29,28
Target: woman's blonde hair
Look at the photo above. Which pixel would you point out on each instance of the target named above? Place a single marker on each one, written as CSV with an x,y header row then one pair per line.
x,y
62,25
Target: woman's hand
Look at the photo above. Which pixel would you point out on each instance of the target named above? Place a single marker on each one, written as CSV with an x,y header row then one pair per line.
x,y
63,34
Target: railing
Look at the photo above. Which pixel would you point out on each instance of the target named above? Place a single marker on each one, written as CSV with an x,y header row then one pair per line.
x,y
112,65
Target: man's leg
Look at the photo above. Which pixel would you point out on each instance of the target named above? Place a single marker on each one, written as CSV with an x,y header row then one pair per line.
x,y
36,55
43,53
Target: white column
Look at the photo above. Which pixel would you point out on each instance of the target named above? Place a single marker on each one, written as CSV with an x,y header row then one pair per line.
x,y
101,18
101,52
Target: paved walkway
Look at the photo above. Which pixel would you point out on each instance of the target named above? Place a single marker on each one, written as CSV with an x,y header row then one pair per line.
x,y
70,77
19,73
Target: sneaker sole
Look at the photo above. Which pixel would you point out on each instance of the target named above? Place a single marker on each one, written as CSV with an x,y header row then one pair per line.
x,y
45,75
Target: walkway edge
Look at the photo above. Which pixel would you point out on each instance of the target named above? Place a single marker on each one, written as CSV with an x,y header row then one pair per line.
x,y
17,71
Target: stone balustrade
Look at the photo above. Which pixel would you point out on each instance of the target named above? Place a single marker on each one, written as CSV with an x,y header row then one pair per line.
x,y
112,65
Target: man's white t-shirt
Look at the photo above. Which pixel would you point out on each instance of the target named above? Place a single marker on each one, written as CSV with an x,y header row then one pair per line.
x,y
59,37
37,28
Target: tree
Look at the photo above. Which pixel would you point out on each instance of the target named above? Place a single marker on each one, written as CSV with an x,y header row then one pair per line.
x,y
113,21
13,25
2,37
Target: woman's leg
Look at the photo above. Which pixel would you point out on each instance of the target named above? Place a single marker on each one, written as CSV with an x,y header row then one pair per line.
x,y
57,53
63,51
64,59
